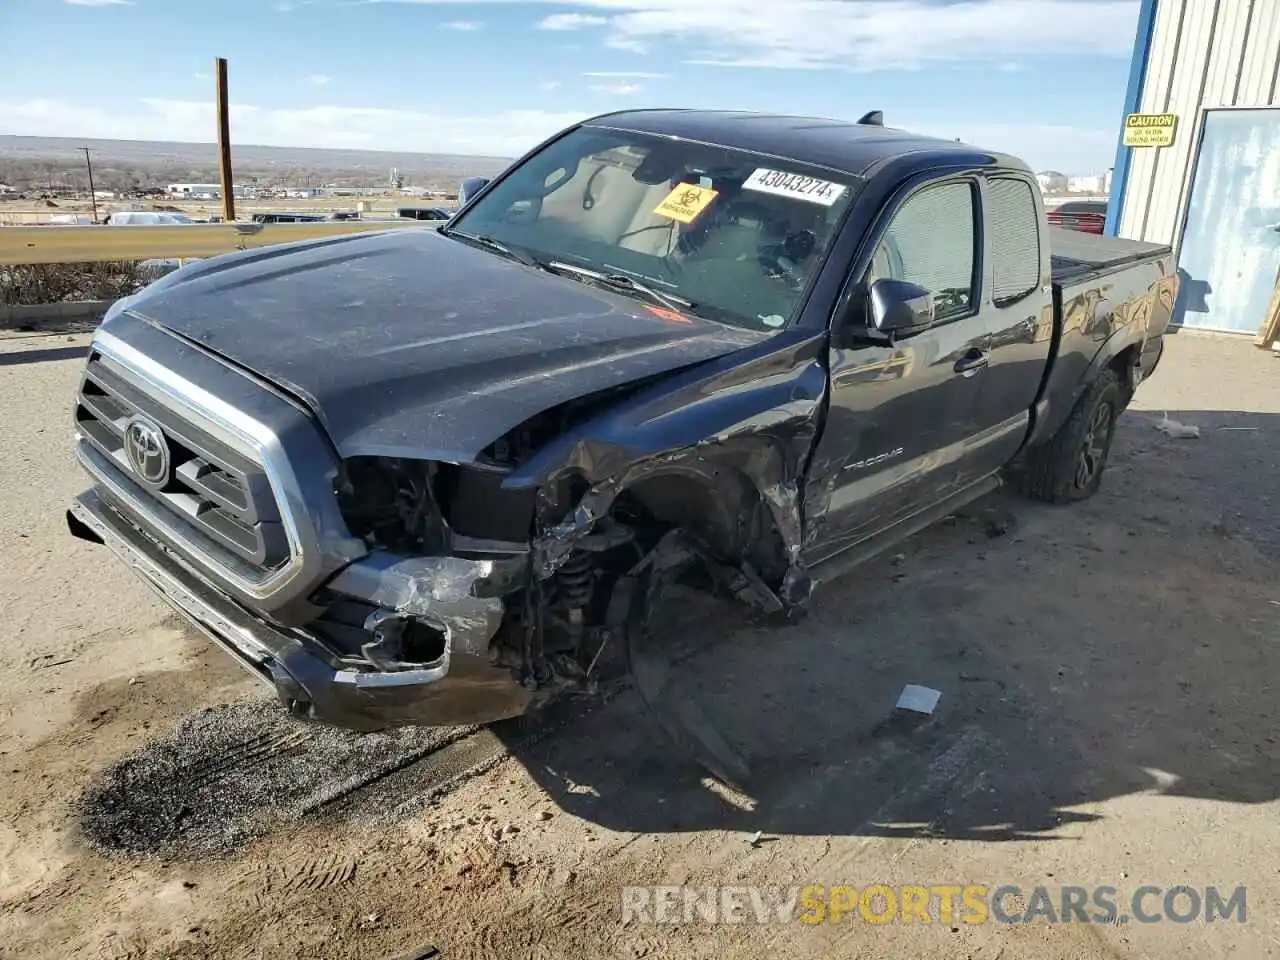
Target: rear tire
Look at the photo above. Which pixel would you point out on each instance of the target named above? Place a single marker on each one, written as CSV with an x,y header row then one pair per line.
x,y
1069,467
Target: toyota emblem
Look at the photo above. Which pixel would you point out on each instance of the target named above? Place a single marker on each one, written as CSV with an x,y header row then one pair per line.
x,y
147,451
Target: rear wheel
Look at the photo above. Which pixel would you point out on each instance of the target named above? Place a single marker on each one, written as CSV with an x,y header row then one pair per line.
x,y
1069,467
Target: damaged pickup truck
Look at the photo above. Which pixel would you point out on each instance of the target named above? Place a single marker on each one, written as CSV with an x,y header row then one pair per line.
x,y
438,475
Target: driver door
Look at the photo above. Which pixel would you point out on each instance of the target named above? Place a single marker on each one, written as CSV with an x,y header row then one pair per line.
x,y
903,414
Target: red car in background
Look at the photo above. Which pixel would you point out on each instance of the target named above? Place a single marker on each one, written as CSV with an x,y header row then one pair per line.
x,y
1087,216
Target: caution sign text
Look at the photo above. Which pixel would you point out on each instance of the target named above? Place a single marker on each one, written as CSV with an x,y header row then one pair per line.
x,y
1150,129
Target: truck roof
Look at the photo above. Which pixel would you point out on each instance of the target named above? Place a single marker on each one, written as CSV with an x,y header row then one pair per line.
x,y
854,148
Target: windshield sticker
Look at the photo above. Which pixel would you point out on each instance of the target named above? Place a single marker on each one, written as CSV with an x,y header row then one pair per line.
x,y
686,202
782,184
772,320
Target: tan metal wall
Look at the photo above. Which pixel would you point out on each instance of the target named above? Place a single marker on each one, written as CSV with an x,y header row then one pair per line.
x,y
1204,53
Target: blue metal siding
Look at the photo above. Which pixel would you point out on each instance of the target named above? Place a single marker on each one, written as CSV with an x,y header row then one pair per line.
x,y
1132,98
1200,54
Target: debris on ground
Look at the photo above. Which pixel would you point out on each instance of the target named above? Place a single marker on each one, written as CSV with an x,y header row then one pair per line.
x,y
1179,431
918,699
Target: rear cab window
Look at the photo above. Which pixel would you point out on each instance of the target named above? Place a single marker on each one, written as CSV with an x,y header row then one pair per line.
x,y
1015,239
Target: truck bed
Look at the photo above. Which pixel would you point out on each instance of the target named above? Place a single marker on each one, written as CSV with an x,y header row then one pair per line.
x,y
1076,255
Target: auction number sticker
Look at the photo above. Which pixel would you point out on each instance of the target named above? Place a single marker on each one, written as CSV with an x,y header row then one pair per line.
x,y
795,185
686,202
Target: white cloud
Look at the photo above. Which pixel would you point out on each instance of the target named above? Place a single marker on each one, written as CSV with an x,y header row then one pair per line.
x,y
508,133
616,89
626,74
100,3
549,84
878,34
318,79
463,26
202,77
628,44
853,34
570,21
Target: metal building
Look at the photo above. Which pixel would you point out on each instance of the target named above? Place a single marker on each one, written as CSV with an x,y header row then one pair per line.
x,y
1203,110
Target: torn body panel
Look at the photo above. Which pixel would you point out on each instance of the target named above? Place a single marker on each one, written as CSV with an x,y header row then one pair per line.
x,y
440,591
720,450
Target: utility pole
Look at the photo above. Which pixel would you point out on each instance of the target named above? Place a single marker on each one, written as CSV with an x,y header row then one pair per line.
x,y
224,142
93,194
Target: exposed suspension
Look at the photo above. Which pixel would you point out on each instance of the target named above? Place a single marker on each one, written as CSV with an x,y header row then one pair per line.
x,y
575,579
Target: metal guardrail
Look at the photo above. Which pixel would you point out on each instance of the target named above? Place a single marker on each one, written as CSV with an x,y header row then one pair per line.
x,y
95,244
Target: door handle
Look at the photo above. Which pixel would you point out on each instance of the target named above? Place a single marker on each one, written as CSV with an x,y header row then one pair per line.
x,y
973,361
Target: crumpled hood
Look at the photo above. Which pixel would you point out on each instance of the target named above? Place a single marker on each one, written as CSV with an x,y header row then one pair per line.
x,y
408,343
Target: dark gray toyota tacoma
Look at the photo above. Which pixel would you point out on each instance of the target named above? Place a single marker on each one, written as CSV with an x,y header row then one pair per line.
x,y
436,475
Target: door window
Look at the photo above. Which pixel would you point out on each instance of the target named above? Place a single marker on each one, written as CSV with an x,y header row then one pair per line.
x,y
930,242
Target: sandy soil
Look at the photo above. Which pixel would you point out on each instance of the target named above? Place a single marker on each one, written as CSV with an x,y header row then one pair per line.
x,y
1108,716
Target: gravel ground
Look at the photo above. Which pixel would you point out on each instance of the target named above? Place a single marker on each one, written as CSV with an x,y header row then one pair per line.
x,y
1108,716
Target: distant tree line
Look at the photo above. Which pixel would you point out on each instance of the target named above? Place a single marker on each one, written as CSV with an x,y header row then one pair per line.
x,y
36,175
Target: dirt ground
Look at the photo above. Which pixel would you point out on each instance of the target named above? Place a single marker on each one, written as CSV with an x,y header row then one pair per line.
x,y
1108,716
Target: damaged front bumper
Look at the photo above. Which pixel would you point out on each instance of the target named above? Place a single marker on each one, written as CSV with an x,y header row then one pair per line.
x,y
460,686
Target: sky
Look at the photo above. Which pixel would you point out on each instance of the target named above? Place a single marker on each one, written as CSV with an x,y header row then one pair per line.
x,y
1043,79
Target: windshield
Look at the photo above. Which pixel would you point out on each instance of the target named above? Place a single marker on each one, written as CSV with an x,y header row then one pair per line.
x,y
729,235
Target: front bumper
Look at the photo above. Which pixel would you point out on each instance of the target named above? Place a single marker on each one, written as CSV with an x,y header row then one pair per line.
x,y
462,688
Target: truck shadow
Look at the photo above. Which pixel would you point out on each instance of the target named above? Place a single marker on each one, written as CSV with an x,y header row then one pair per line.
x,y
42,356
1117,646
1083,653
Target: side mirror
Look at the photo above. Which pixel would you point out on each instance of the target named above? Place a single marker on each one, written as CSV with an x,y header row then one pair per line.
x,y
898,306
470,187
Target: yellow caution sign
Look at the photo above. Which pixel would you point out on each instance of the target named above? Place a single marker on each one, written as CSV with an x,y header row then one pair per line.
x,y
686,202
1150,129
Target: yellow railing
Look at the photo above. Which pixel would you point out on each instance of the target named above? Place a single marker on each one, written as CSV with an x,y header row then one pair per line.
x,y
90,244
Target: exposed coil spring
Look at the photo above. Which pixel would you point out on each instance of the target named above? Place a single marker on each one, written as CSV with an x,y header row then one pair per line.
x,y
575,579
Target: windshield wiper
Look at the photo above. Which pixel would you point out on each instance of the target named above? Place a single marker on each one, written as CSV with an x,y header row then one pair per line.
x,y
622,281
497,246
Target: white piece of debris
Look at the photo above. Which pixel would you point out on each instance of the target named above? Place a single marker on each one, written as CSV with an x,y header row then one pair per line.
x,y
918,699
1179,431
755,838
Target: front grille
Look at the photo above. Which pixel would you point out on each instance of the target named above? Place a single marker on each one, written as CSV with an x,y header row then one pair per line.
x,y
210,489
